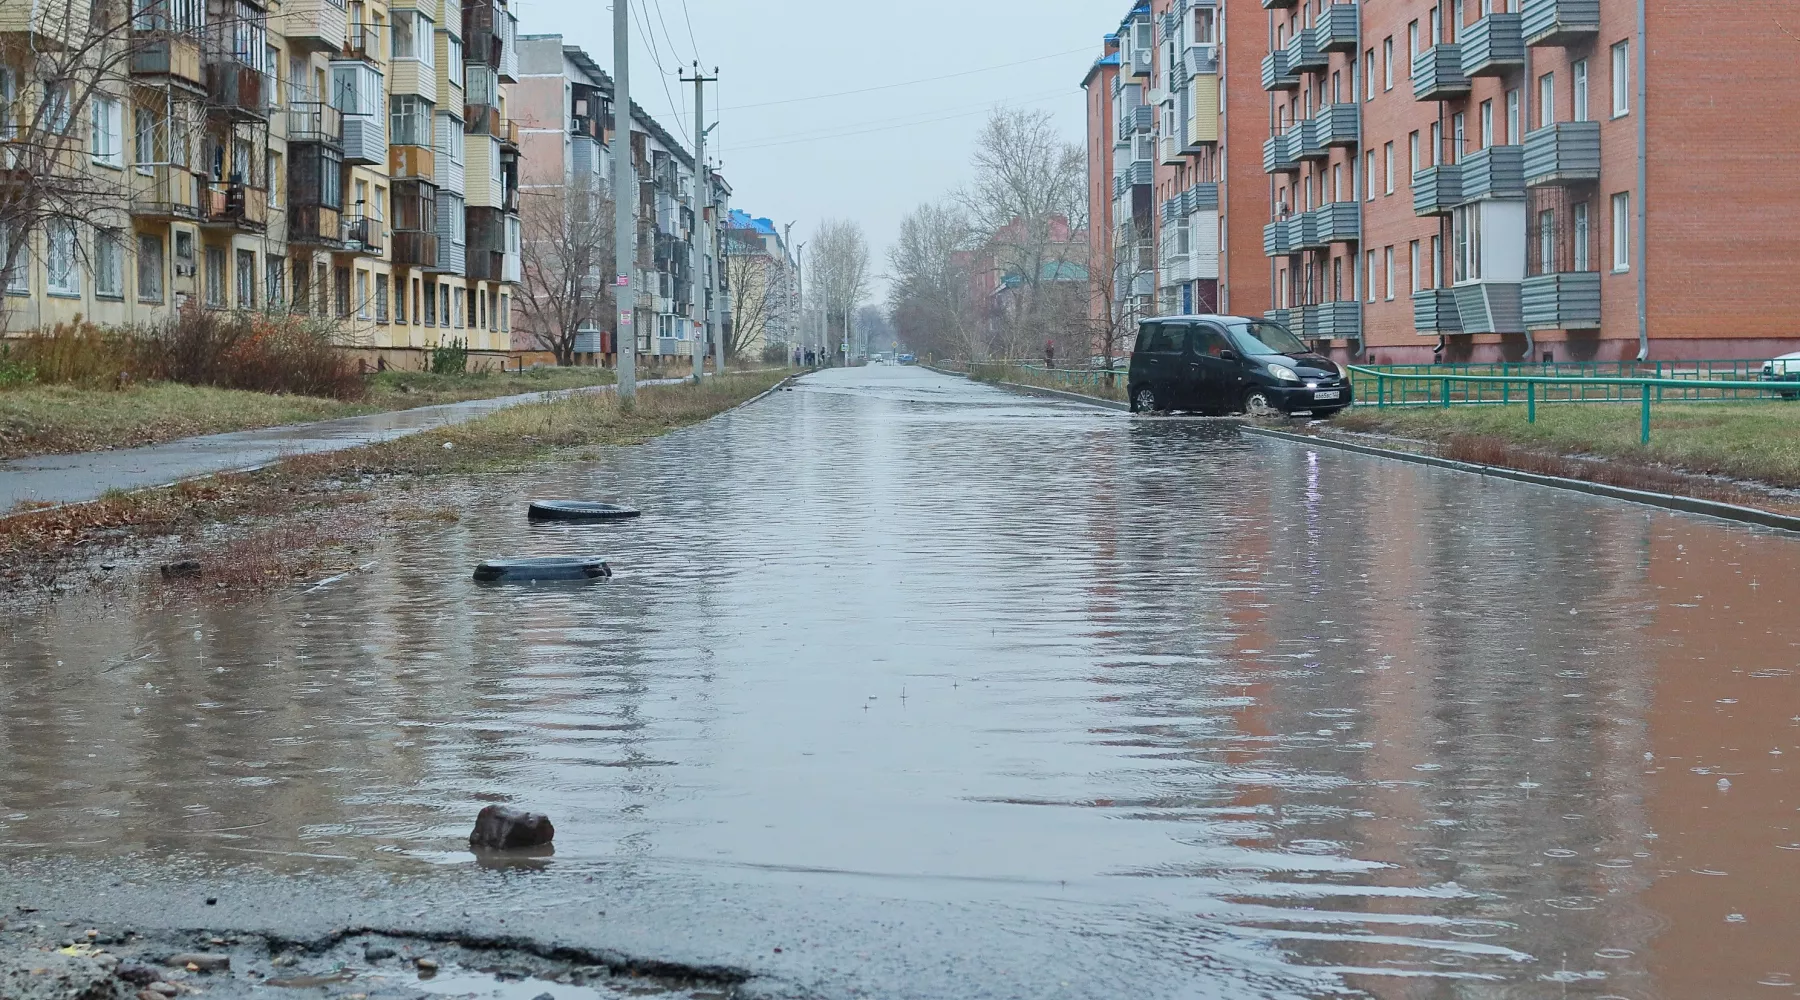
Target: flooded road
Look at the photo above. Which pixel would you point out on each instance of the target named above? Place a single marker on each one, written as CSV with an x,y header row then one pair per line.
x,y
959,693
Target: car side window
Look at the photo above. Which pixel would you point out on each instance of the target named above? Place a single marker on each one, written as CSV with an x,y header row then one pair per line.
x,y
1209,341
1155,338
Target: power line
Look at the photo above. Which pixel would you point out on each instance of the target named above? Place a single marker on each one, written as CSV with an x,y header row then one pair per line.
x,y
662,75
934,114
905,83
886,128
669,36
690,27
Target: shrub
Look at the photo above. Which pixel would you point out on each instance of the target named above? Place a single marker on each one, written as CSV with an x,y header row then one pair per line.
x,y
14,372
252,351
78,353
776,354
451,358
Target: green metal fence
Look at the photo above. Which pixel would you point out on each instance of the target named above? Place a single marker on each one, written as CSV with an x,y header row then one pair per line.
x,y
1582,381
1434,386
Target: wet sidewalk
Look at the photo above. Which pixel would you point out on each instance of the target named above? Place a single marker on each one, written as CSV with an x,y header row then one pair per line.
x,y
88,475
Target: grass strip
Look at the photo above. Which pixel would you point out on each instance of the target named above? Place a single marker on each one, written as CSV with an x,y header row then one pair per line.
x,y
36,548
1084,383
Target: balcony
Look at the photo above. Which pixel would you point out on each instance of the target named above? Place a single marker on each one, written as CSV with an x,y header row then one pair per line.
x,y
237,91
47,24
1492,46
1275,72
414,248
236,206
1437,190
1560,23
1275,239
169,193
363,41
1569,301
1434,311
1562,154
362,235
1438,75
415,162
1202,197
311,121
1275,158
484,264
1303,232
1336,28
1140,173
1303,56
1140,118
1336,321
1496,173
1338,125
1489,307
1285,317
315,226
1303,140
1279,4
314,25
509,137
1338,222
167,55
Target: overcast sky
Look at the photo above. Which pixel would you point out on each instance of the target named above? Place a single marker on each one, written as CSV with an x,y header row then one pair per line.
x,y
797,161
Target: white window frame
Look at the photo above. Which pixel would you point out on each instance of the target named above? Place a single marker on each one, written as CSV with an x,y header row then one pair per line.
x,y
62,273
106,130
1513,135
109,265
1387,63
1546,85
1621,82
150,268
1414,250
1388,179
1621,209
1583,236
1387,261
1578,86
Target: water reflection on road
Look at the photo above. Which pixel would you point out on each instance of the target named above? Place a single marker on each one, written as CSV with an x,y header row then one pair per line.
x,y
1293,721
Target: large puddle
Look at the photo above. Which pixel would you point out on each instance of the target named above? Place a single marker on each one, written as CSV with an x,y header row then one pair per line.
x,y
1309,721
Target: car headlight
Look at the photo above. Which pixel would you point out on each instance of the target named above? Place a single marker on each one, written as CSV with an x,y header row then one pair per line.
x,y
1284,373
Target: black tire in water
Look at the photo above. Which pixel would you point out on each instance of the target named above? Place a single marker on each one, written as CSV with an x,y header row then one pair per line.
x,y
1143,400
575,569
579,510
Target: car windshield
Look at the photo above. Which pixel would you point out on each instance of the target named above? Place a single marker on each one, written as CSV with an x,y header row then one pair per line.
x,y
1262,338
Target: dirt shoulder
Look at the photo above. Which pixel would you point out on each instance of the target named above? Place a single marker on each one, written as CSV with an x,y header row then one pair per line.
x,y
65,419
314,514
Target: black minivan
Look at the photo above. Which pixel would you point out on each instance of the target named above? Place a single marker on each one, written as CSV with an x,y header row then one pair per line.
x,y
1230,364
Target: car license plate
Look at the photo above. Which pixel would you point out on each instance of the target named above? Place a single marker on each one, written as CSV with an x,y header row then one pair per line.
x,y
1324,395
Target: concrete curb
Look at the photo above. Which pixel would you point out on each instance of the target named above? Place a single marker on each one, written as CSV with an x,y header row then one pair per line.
x,y
1666,501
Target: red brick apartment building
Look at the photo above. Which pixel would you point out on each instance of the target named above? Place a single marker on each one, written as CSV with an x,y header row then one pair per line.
x,y
1479,179
1175,121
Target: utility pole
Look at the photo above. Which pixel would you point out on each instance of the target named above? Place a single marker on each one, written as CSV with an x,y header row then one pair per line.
x,y
625,199
796,322
700,203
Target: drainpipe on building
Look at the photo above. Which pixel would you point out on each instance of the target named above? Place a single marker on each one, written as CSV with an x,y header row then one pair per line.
x,y
1525,126
1643,184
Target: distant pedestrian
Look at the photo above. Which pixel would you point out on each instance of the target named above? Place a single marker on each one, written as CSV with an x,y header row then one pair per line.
x,y
1049,354
796,357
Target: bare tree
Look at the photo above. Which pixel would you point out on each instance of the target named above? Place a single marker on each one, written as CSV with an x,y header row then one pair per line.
x,y
567,253
930,293
840,271
754,277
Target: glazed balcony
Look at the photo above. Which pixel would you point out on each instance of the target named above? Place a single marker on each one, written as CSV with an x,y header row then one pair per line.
x,y
1496,173
1565,153
1434,312
314,25
1303,56
1336,321
1560,23
1492,46
165,55
1276,74
1337,28
1437,190
1338,222
167,193
235,206
1140,118
1338,125
1438,75
1569,301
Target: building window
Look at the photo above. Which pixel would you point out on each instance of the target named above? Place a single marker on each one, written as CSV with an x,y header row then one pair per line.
x,y
106,132
1547,241
1412,46
144,139
381,298
1369,175
1412,153
444,305
1387,63
1578,85
1621,79
1369,75
275,280
1388,152
1387,263
1546,100
60,269
399,299
1437,143
459,312
341,277
1513,135
363,299
1369,266
150,269
431,300
505,314
412,35
1465,243
1581,236
109,265
1486,124
215,277
273,177
1437,262
410,120
1621,208
1413,252
246,279
1459,139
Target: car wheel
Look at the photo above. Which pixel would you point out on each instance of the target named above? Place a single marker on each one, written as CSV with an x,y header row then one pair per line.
x,y
1257,405
1143,400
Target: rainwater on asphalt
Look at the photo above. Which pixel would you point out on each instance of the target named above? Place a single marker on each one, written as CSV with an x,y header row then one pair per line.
x,y
1156,707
